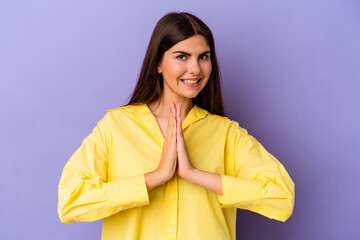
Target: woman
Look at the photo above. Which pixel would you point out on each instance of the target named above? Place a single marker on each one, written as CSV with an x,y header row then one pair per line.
x,y
169,164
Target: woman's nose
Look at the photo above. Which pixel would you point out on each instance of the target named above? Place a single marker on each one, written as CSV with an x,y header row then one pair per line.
x,y
194,67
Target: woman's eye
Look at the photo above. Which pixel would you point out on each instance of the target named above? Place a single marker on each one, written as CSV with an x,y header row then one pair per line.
x,y
181,57
204,57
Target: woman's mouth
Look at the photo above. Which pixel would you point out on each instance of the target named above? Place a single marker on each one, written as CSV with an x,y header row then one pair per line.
x,y
193,82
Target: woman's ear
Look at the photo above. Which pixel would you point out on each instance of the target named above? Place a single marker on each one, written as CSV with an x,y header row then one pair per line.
x,y
159,68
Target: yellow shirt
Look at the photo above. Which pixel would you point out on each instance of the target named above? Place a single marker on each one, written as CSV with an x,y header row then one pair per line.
x,y
104,178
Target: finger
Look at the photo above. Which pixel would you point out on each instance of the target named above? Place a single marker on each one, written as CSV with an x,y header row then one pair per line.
x,y
178,128
179,112
173,119
172,124
169,127
171,106
173,109
181,122
173,130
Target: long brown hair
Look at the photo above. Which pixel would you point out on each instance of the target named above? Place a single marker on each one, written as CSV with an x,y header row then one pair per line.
x,y
171,29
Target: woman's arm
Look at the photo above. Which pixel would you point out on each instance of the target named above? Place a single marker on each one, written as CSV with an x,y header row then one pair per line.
x,y
253,179
84,192
211,181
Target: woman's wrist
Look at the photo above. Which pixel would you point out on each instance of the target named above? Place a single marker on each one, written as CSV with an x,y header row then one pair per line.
x,y
211,181
191,176
154,179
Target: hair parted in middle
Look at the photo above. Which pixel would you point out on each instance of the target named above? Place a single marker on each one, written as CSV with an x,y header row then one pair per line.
x,y
171,29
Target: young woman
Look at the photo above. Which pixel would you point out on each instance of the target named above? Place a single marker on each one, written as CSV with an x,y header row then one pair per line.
x,y
170,164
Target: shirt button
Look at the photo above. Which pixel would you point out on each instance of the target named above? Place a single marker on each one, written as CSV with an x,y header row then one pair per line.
x,y
172,195
249,206
236,205
171,230
134,204
120,208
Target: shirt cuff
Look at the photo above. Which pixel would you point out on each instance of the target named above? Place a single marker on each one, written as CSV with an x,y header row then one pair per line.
x,y
128,193
240,193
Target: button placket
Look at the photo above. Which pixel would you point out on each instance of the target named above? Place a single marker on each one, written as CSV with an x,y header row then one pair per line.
x,y
171,202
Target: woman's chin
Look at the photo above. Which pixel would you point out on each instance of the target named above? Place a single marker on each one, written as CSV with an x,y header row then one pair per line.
x,y
191,95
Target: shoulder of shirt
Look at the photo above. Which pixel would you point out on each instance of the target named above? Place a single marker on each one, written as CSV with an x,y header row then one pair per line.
x,y
214,116
228,125
126,108
226,122
223,120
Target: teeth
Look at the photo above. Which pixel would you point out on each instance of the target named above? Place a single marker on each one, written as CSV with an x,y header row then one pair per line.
x,y
191,81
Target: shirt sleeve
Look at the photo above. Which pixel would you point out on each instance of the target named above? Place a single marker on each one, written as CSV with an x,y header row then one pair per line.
x,y
84,194
255,180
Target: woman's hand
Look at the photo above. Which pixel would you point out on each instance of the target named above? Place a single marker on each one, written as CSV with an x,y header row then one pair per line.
x,y
168,161
185,167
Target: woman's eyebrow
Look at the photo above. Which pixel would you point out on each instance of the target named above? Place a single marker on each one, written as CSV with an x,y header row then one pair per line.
x,y
188,54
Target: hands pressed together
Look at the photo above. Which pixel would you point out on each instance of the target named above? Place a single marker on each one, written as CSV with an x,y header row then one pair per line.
x,y
174,157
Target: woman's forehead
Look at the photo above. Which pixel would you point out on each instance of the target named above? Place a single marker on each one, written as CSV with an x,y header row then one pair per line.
x,y
193,44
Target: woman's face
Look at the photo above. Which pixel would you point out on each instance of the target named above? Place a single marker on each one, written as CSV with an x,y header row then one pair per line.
x,y
186,67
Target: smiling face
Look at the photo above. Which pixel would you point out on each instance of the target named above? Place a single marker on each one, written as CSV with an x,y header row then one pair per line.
x,y
186,67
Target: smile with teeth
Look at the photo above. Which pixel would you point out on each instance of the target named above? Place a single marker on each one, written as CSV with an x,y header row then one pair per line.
x,y
190,81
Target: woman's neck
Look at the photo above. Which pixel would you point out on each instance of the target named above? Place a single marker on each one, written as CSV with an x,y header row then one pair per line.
x,y
161,107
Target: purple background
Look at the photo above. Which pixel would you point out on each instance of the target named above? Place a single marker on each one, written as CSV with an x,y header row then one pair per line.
x,y
291,74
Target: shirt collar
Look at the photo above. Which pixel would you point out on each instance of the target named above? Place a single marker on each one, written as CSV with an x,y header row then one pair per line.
x,y
195,114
